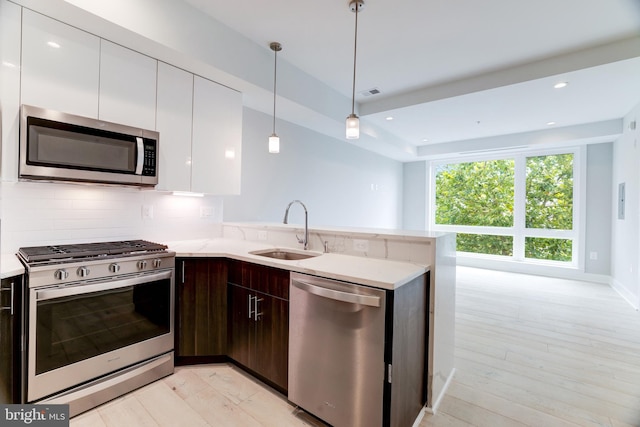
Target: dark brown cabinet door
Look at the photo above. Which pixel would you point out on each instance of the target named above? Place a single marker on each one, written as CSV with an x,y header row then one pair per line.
x,y
201,315
272,340
259,320
10,336
242,324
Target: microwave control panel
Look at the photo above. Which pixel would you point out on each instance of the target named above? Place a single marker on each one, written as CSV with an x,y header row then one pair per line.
x,y
150,161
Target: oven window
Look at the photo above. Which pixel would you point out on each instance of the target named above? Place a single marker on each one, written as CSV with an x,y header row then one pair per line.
x,y
74,328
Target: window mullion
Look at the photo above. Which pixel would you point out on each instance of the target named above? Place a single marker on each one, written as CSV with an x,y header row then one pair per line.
x,y
519,203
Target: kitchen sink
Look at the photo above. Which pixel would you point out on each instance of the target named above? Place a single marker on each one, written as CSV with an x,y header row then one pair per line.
x,y
285,254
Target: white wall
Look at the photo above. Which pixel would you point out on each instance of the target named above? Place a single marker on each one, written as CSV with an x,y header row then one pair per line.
x,y
341,185
598,204
625,235
414,212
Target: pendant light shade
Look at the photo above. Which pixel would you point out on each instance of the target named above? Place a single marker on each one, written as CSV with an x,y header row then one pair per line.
x,y
274,144
353,126
353,122
274,140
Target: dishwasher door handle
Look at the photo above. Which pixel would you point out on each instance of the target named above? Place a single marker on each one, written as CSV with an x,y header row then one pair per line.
x,y
320,291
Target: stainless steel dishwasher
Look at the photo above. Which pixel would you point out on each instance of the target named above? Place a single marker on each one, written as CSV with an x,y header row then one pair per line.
x,y
336,350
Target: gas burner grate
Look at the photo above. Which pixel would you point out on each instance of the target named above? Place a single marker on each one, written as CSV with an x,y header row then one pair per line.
x,y
52,253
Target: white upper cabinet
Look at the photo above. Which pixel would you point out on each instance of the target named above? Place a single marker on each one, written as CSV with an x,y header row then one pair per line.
x,y
217,138
127,86
60,66
9,88
174,117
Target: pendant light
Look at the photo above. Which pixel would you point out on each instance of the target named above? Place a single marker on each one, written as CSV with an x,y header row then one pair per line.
x,y
353,122
274,140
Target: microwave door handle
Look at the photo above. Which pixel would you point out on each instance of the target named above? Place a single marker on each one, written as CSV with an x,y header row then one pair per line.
x,y
140,156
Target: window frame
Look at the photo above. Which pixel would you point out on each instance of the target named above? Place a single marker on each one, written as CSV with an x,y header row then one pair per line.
x,y
518,231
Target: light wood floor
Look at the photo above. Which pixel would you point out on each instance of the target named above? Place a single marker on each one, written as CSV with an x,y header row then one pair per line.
x,y
530,351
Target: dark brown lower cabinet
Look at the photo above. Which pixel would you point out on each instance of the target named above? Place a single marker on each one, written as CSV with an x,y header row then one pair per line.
x,y
259,321
230,309
10,339
406,352
201,310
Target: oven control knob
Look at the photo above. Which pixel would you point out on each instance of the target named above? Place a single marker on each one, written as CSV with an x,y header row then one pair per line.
x,y
142,264
114,268
157,262
61,274
83,271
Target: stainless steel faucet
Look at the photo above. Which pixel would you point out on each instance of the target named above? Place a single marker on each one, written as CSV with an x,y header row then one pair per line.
x,y
305,240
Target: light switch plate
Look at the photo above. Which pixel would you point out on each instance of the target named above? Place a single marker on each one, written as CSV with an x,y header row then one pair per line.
x,y
206,212
147,211
360,245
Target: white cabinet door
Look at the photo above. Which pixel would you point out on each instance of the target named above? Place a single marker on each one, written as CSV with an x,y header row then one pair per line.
x,y
217,138
174,117
60,66
9,88
127,86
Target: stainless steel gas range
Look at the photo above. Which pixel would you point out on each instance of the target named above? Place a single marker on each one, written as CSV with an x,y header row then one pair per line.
x,y
98,320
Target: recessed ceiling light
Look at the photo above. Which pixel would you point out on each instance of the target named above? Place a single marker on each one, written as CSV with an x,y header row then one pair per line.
x,y
425,140
388,118
551,123
53,44
560,85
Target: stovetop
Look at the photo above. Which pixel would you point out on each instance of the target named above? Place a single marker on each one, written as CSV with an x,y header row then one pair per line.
x,y
55,253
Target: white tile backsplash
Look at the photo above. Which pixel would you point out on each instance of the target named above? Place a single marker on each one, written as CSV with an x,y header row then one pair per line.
x,y
36,214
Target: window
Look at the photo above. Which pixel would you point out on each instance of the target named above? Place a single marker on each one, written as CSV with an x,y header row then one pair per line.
x,y
520,207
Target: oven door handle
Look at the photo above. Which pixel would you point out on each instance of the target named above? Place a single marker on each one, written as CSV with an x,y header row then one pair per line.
x,y
47,294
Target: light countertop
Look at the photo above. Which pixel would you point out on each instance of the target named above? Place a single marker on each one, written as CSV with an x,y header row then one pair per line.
x,y
380,273
10,266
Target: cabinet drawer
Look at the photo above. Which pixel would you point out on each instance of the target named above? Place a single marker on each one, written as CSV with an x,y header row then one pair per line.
x,y
271,281
238,272
260,278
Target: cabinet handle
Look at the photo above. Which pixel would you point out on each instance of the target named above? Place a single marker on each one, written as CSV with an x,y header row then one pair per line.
x,y
256,314
250,311
11,306
183,272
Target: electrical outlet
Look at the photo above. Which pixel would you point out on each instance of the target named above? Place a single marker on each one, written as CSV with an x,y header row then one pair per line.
x,y
593,256
360,245
262,235
206,212
147,211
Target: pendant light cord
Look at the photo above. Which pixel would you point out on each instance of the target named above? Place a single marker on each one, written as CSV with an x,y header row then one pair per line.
x,y
355,48
275,70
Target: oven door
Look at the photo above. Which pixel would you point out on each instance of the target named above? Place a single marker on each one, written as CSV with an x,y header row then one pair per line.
x,y
85,330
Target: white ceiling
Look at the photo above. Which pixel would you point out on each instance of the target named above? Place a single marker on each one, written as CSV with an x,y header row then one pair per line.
x,y
456,70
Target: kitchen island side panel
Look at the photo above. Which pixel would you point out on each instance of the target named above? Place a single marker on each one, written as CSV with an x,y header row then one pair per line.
x,y
442,303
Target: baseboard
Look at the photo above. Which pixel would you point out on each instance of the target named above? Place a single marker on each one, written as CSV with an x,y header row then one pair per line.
x,y
434,407
624,293
200,360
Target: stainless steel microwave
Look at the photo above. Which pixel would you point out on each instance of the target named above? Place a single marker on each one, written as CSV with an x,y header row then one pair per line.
x,y
56,146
